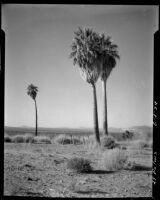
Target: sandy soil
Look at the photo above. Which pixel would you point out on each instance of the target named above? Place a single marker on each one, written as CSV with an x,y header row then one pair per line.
x,y
40,170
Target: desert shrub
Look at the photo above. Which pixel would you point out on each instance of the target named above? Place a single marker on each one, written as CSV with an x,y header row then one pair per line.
x,y
127,135
79,164
113,159
7,138
28,138
108,142
42,139
18,139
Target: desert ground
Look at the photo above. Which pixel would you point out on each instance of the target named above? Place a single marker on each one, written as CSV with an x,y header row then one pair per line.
x,y
41,170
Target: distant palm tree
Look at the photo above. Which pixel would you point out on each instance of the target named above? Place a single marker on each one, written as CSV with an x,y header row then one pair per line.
x,y
85,56
108,54
32,92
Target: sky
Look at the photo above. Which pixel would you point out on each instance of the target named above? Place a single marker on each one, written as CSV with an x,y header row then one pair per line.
x,y
38,40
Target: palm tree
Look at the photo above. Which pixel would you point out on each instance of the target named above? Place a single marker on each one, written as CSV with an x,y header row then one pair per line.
x,y
85,56
32,92
108,54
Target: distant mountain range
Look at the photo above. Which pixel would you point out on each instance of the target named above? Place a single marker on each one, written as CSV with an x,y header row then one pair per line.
x,y
139,129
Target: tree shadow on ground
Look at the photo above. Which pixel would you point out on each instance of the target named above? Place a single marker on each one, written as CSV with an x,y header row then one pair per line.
x,y
99,172
90,192
139,167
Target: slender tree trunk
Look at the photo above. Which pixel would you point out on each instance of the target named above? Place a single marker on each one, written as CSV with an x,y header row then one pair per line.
x,y
95,115
105,122
36,130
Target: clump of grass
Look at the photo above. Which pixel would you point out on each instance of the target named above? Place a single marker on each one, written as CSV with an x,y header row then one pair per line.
x,y
113,159
7,138
42,139
79,165
18,139
108,142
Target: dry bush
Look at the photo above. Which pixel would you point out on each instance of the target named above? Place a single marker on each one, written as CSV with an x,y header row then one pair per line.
x,y
90,139
76,140
29,138
127,135
42,139
92,147
7,138
108,142
66,139
113,159
79,165
18,139
62,139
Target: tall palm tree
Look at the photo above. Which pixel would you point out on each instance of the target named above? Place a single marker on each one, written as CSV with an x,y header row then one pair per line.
x,y
85,56
32,91
108,52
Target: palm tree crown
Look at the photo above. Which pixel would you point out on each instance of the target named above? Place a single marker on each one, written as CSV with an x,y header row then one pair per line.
x,y
32,91
108,54
84,53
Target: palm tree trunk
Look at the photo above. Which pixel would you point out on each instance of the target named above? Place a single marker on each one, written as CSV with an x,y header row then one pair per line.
x,y
95,115
36,130
105,122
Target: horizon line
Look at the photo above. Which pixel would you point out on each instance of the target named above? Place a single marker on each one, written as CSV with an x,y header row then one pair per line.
x,y
78,127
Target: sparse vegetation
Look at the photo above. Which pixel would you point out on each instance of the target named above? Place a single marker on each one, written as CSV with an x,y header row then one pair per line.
x,y
79,165
52,160
113,159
